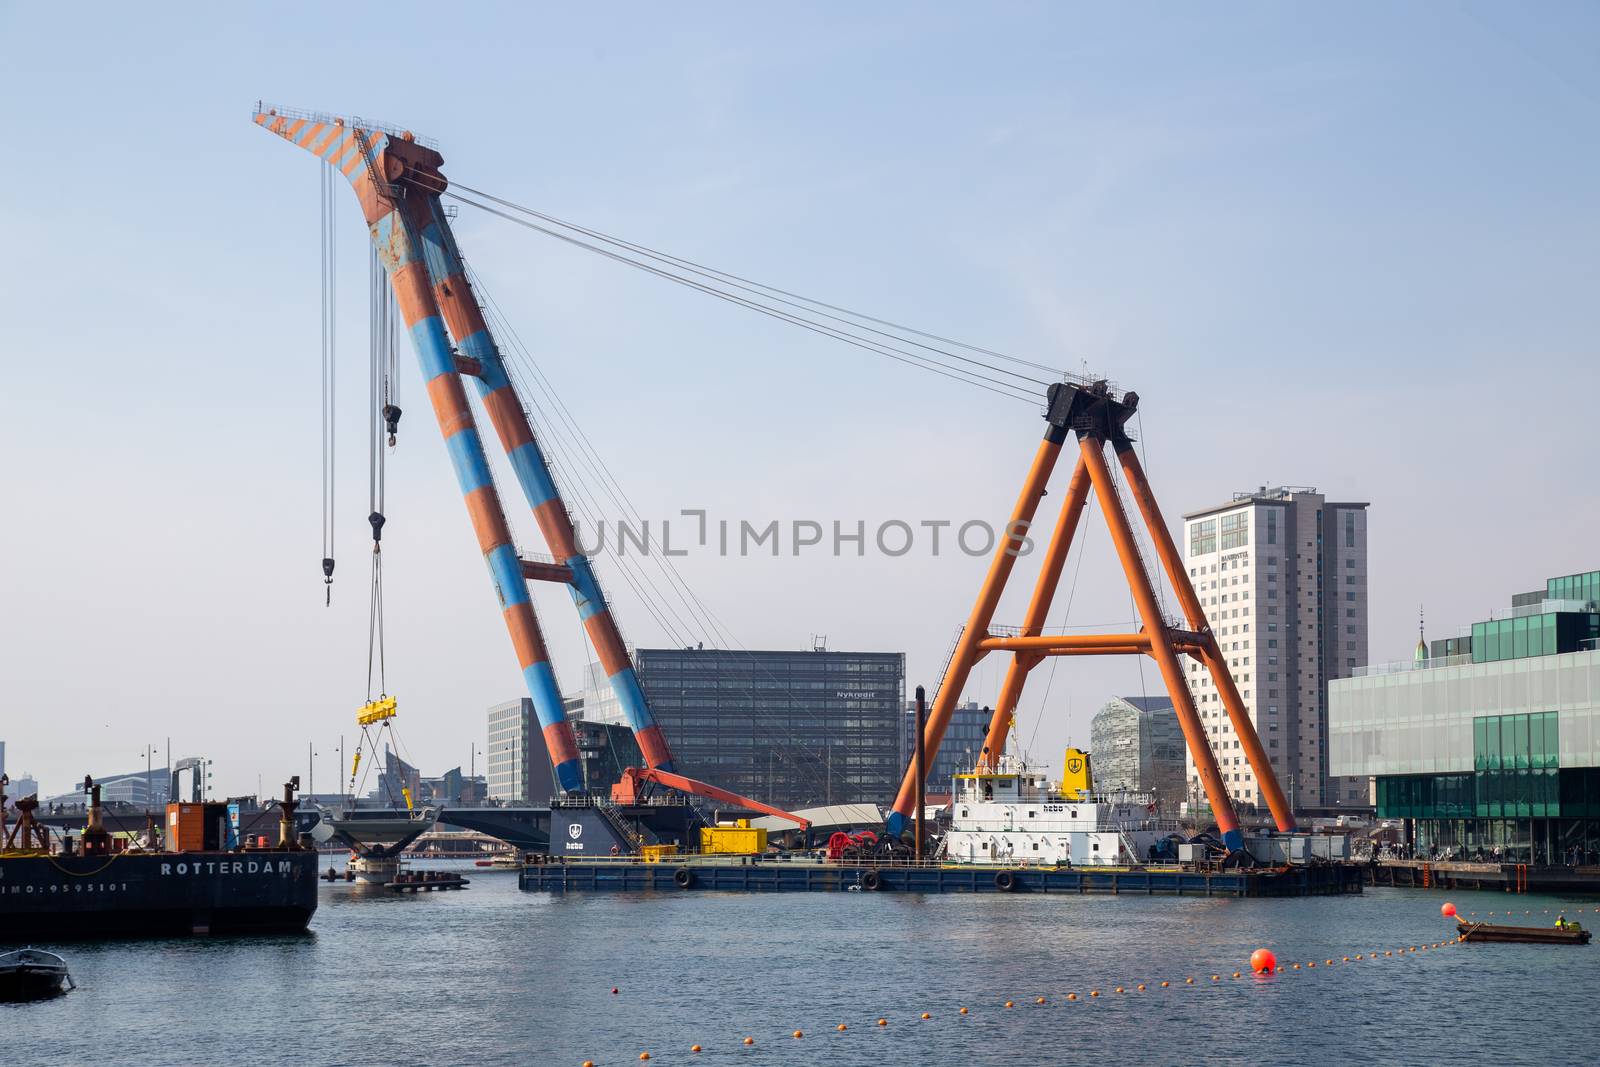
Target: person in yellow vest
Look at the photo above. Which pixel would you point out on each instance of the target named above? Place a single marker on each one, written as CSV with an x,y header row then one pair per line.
x,y
1561,921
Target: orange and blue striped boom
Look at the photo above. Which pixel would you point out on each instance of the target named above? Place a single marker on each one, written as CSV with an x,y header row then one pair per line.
x,y
398,183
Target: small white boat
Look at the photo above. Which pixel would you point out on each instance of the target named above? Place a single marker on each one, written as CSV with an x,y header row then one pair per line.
x,y
33,974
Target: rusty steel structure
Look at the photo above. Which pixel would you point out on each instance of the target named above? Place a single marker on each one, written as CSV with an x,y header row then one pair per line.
x,y
1093,414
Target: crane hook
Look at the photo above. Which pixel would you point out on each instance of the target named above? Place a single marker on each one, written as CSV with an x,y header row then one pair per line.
x,y
391,419
377,520
327,578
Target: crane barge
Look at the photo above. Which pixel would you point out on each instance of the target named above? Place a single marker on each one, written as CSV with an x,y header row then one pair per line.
x,y
398,181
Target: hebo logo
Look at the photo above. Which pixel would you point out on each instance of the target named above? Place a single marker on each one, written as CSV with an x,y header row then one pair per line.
x,y
575,830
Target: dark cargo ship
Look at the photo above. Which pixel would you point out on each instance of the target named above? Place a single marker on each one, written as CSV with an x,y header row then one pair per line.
x,y
98,889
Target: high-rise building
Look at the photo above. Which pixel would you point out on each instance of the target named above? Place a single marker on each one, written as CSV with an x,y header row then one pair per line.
x,y
794,729
1135,744
960,749
519,769
1491,746
1282,576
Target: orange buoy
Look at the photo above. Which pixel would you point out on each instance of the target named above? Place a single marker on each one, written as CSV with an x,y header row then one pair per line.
x,y
1330,963
925,1015
1164,985
1216,978
1447,909
1072,996
885,1022
963,1011
1094,992
694,1048
799,1033
613,990
842,1028
1188,981
644,1055
1040,1000
749,1040
1311,963
1008,1003
588,1063
1140,987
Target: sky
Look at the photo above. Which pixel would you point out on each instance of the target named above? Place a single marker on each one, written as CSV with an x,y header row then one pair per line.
x,y
1352,247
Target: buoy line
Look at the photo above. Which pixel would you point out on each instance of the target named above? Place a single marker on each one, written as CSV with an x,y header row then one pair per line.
x,y
1263,964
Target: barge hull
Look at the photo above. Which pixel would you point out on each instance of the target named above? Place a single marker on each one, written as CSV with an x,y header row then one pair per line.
x,y
156,894
1324,880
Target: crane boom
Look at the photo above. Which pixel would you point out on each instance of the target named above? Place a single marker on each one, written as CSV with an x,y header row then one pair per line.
x,y
398,183
630,790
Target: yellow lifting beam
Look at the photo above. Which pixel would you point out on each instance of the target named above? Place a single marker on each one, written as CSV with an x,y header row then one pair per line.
x,y
377,711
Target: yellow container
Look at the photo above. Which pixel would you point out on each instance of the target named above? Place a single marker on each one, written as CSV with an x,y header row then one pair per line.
x,y
742,840
657,853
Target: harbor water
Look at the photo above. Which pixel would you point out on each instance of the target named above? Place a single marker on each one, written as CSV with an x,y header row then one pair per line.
x,y
496,976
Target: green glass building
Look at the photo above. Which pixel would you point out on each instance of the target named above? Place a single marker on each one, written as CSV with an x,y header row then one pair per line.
x,y
1494,741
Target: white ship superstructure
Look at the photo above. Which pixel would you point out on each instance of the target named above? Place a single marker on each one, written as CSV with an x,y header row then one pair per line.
x,y
1014,816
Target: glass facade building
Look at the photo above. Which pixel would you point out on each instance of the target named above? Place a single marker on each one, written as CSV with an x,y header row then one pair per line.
x,y
1497,752
794,729
1136,744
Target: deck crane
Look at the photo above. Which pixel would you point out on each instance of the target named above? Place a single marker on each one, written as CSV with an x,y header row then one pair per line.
x,y
398,182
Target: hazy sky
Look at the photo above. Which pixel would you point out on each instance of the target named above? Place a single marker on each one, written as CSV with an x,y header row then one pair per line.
x,y
1347,246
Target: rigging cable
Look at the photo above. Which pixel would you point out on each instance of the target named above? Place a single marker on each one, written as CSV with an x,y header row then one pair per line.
x,y
751,286
899,355
379,363
648,592
326,253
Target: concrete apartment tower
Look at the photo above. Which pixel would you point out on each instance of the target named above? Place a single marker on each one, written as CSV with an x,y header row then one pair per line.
x,y
1282,575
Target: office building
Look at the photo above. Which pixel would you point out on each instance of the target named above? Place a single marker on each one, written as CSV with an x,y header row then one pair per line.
x,y
959,751
605,749
597,702
794,729
24,785
1495,744
1135,744
1282,576
141,788
518,770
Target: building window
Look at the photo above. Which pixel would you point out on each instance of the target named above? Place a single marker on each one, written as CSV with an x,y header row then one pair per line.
x,y
1349,529
1235,530
1272,526
1203,537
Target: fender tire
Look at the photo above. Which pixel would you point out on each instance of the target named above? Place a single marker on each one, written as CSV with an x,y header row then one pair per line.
x,y
1005,881
872,881
683,878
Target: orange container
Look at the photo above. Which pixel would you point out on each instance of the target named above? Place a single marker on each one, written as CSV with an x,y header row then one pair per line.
x,y
196,827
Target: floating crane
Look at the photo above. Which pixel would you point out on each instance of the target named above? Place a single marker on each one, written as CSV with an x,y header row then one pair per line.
x,y
398,181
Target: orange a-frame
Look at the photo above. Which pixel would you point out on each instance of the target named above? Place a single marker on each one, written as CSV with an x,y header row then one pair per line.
x,y
1097,417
